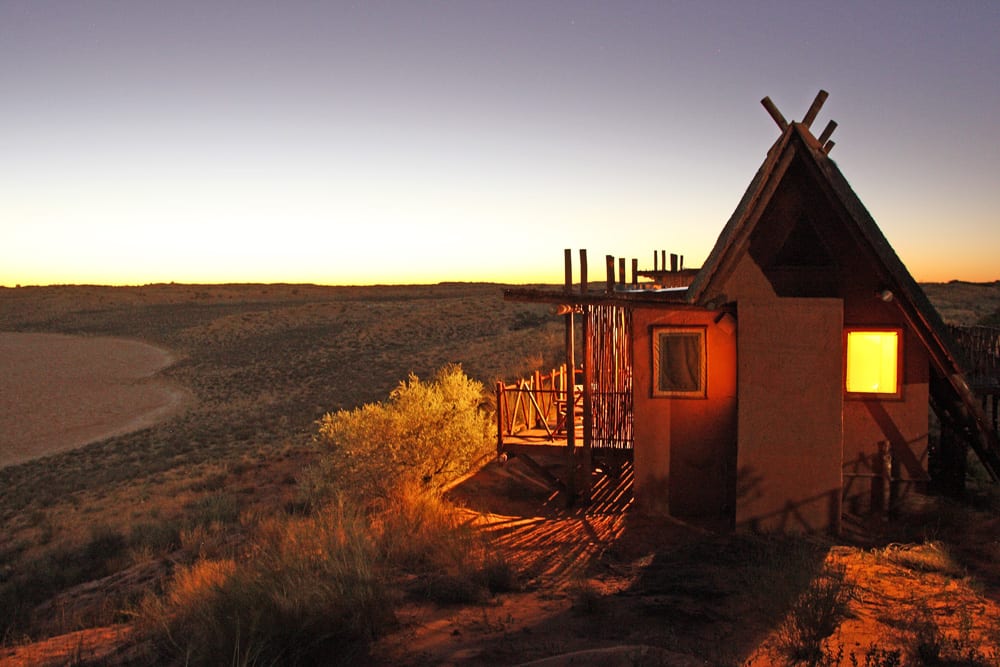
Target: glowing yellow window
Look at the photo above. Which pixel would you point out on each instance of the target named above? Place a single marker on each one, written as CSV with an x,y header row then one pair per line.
x,y
873,362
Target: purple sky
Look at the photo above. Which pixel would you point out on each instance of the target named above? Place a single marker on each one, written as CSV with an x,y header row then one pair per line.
x,y
367,142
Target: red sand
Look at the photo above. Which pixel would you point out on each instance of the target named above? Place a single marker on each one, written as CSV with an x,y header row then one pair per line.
x,y
60,392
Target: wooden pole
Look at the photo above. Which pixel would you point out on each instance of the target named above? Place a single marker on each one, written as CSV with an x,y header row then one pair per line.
x,y
885,472
673,262
588,414
609,263
568,261
635,271
500,418
621,270
827,132
774,113
656,260
570,395
583,270
536,388
817,104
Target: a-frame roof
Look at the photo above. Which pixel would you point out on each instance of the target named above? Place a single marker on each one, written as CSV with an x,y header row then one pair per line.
x,y
949,391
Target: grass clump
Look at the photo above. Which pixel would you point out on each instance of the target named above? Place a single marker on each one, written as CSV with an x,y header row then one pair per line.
x,y
318,589
928,557
931,644
58,568
434,542
815,615
310,592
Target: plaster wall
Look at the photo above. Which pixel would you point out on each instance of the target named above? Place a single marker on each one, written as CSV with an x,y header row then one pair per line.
x,y
790,427
901,421
685,447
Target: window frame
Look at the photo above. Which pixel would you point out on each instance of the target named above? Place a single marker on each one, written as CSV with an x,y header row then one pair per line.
x,y
656,334
880,395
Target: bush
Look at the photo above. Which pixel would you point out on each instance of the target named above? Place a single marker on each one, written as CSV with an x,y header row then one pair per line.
x,y
427,434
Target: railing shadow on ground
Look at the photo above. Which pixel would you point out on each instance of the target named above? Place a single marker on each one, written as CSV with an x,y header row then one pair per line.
x,y
624,577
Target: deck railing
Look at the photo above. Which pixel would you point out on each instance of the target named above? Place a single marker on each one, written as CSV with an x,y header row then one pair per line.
x,y
537,408
532,404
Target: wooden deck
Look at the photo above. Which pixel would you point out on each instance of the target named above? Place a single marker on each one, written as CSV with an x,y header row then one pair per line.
x,y
537,440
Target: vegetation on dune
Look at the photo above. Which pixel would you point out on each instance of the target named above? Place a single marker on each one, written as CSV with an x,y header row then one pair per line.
x,y
316,589
254,561
425,435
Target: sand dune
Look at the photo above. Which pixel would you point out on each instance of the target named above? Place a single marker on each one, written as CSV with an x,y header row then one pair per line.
x,y
60,392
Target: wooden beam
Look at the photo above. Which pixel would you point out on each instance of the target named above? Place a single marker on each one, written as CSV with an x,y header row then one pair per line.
x,y
532,295
570,403
500,417
587,462
817,104
827,131
542,472
568,261
775,114
583,271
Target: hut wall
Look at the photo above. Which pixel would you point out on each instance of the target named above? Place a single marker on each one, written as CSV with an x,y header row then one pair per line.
x,y
685,447
901,421
790,406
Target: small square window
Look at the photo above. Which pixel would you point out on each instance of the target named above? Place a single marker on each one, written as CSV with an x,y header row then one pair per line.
x,y
679,362
872,361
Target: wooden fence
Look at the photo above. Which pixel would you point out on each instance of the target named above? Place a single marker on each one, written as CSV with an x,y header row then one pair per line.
x,y
979,348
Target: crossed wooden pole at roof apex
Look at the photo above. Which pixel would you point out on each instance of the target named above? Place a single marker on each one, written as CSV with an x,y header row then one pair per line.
x,y
824,138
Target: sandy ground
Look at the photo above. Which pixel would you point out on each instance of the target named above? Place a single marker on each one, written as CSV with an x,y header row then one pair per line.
x,y
60,392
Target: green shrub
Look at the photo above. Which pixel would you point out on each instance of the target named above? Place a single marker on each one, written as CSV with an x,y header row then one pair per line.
x,y
427,434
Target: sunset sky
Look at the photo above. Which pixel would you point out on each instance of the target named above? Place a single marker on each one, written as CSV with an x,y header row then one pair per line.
x,y
417,142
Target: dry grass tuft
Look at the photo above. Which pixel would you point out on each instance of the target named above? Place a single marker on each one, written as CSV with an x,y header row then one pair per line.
x,y
929,557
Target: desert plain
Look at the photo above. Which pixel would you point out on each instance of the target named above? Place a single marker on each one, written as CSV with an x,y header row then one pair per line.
x,y
161,410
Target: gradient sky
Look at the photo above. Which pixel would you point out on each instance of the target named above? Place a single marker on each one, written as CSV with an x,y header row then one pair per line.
x,y
372,142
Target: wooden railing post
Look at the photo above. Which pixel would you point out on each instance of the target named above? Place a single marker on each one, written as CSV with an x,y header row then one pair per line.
x,y
570,365
500,417
588,410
